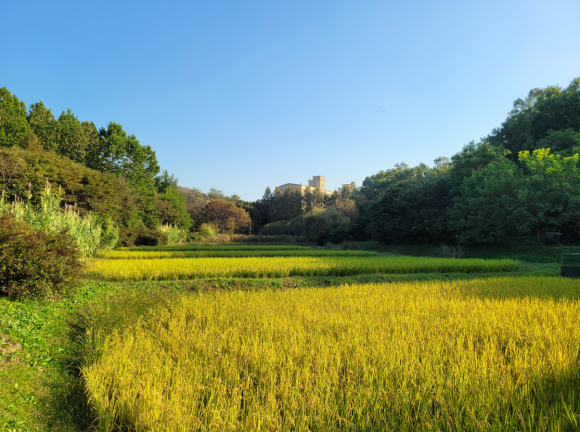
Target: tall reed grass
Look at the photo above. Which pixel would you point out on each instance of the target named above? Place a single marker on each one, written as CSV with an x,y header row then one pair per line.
x,y
49,216
481,355
173,232
193,268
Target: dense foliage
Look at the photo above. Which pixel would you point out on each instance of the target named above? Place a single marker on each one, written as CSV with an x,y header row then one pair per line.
x,y
35,263
141,237
522,182
106,171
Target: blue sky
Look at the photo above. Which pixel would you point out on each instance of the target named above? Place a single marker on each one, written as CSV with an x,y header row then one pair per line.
x,y
239,95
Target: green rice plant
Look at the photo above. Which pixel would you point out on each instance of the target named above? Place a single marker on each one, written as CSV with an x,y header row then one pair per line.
x,y
184,248
50,217
193,268
242,238
481,355
173,232
118,254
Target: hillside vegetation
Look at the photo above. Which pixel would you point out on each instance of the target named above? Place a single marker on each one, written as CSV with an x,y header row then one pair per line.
x,y
520,182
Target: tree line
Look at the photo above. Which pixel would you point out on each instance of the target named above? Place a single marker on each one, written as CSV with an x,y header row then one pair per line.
x,y
522,180
104,170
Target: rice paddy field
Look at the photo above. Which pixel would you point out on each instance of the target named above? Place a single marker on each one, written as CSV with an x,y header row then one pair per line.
x,y
287,338
267,267
496,354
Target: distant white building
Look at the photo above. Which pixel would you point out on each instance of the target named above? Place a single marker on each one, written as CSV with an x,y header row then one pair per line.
x,y
316,182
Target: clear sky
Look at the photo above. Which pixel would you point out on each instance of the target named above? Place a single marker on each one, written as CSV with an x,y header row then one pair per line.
x,y
240,95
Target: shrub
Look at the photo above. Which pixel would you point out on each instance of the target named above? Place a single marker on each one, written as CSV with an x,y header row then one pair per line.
x,y
34,263
109,232
283,227
319,220
350,246
340,233
141,237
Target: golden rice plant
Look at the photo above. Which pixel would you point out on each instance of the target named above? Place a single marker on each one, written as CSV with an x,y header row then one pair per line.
x,y
496,354
193,268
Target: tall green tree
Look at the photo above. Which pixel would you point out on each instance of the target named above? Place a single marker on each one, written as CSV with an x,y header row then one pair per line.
x,y
374,185
487,209
472,157
171,206
121,154
533,197
550,182
565,143
296,204
13,124
413,210
76,139
165,181
309,200
44,125
531,119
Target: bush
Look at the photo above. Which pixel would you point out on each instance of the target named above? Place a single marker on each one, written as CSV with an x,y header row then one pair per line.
x,y
350,246
141,237
341,233
35,263
109,232
283,227
320,220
